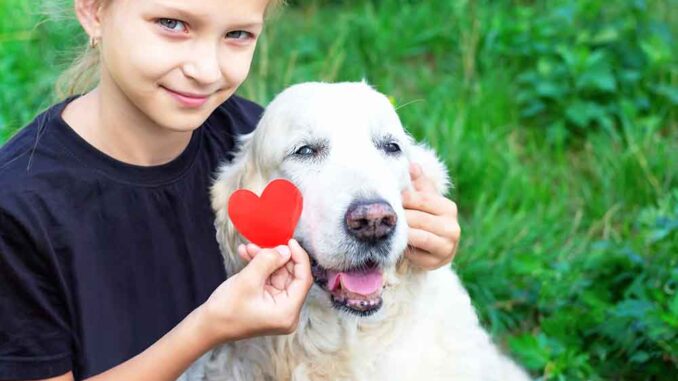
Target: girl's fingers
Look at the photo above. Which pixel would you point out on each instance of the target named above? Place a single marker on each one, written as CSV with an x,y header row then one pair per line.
x,y
293,276
423,259
248,252
302,279
263,265
252,249
280,278
441,226
421,182
438,247
242,253
432,203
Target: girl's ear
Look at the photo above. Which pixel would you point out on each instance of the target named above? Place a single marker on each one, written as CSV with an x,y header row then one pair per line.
x,y
243,172
431,165
89,14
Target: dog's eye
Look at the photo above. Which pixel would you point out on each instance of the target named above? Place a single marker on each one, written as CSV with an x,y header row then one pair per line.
x,y
391,147
305,151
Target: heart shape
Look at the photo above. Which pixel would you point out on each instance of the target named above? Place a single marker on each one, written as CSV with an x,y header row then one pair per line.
x,y
269,220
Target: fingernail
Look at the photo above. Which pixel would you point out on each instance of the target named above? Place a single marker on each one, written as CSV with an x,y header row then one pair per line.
x,y
284,250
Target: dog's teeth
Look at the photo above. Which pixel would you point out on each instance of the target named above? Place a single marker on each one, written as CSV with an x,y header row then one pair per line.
x,y
353,303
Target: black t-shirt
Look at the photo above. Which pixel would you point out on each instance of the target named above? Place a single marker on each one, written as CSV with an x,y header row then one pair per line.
x,y
98,258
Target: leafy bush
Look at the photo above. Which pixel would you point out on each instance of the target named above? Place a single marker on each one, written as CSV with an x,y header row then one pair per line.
x,y
580,62
619,316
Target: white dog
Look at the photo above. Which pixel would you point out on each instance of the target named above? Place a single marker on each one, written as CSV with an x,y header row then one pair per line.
x,y
369,315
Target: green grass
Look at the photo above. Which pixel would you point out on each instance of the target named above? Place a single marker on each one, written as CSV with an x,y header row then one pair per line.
x,y
557,121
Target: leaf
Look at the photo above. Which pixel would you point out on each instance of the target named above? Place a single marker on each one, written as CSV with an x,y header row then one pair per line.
x,y
656,50
630,76
673,305
532,109
597,78
606,35
528,348
549,89
632,308
557,133
583,113
667,91
545,66
640,357
567,55
526,263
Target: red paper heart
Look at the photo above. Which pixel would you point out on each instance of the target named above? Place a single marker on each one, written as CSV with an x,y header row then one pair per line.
x,y
268,221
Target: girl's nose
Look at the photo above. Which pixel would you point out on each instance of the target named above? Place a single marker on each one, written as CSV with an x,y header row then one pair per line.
x,y
203,65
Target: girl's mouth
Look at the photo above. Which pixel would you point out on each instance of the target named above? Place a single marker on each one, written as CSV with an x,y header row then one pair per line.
x,y
189,100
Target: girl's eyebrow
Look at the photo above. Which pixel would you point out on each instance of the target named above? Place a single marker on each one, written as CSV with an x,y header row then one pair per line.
x,y
180,12
185,14
256,26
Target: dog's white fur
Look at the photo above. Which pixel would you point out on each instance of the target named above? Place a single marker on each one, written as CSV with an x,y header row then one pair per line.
x,y
427,328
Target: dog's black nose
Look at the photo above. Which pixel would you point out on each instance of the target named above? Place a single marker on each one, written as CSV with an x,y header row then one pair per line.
x,y
370,221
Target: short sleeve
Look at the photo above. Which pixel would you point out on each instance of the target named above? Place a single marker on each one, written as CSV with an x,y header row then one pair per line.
x,y
35,338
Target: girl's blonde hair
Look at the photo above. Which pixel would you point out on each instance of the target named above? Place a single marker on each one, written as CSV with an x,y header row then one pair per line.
x,y
83,74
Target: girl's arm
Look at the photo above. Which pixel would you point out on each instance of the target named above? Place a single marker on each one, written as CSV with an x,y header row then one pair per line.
x,y
265,298
167,359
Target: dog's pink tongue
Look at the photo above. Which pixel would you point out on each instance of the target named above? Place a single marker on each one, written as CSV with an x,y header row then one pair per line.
x,y
363,283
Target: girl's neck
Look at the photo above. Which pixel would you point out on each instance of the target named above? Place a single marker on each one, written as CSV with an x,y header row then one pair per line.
x,y
110,122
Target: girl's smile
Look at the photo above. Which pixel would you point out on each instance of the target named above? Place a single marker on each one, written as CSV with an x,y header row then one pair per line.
x,y
189,100
166,65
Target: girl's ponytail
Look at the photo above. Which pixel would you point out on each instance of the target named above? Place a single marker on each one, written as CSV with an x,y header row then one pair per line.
x,y
81,77
83,73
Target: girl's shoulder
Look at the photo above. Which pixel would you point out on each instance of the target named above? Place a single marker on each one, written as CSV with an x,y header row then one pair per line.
x,y
22,156
47,150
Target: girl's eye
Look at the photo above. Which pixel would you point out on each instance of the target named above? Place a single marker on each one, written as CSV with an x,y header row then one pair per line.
x,y
239,35
173,25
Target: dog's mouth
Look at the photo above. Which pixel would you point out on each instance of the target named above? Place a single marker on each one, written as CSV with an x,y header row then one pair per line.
x,y
356,290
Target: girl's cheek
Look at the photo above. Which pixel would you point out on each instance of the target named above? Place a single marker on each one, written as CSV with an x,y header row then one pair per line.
x,y
236,66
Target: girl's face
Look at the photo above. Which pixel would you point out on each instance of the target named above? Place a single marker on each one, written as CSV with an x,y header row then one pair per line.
x,y
175,60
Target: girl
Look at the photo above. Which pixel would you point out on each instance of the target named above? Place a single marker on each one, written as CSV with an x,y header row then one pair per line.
x,y
109,267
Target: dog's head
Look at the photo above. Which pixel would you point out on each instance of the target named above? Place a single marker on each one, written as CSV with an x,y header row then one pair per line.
x,y
345,149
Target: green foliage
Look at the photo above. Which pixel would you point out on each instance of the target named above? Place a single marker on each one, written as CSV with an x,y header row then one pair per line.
x,y
618,317
32,54
579,62
569,251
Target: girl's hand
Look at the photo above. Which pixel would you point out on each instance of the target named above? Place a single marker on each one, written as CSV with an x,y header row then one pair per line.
x,y
265,298
434,230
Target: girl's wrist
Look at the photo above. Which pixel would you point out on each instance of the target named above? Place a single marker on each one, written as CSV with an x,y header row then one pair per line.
x,y
212,327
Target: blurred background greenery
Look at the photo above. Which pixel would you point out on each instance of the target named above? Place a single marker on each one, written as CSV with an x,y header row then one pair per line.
x,y
557,120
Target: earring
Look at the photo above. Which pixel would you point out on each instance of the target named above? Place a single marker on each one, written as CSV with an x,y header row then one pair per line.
x,y
93,42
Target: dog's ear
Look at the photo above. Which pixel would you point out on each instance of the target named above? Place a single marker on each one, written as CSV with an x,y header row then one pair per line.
x,y
242,172
431,165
